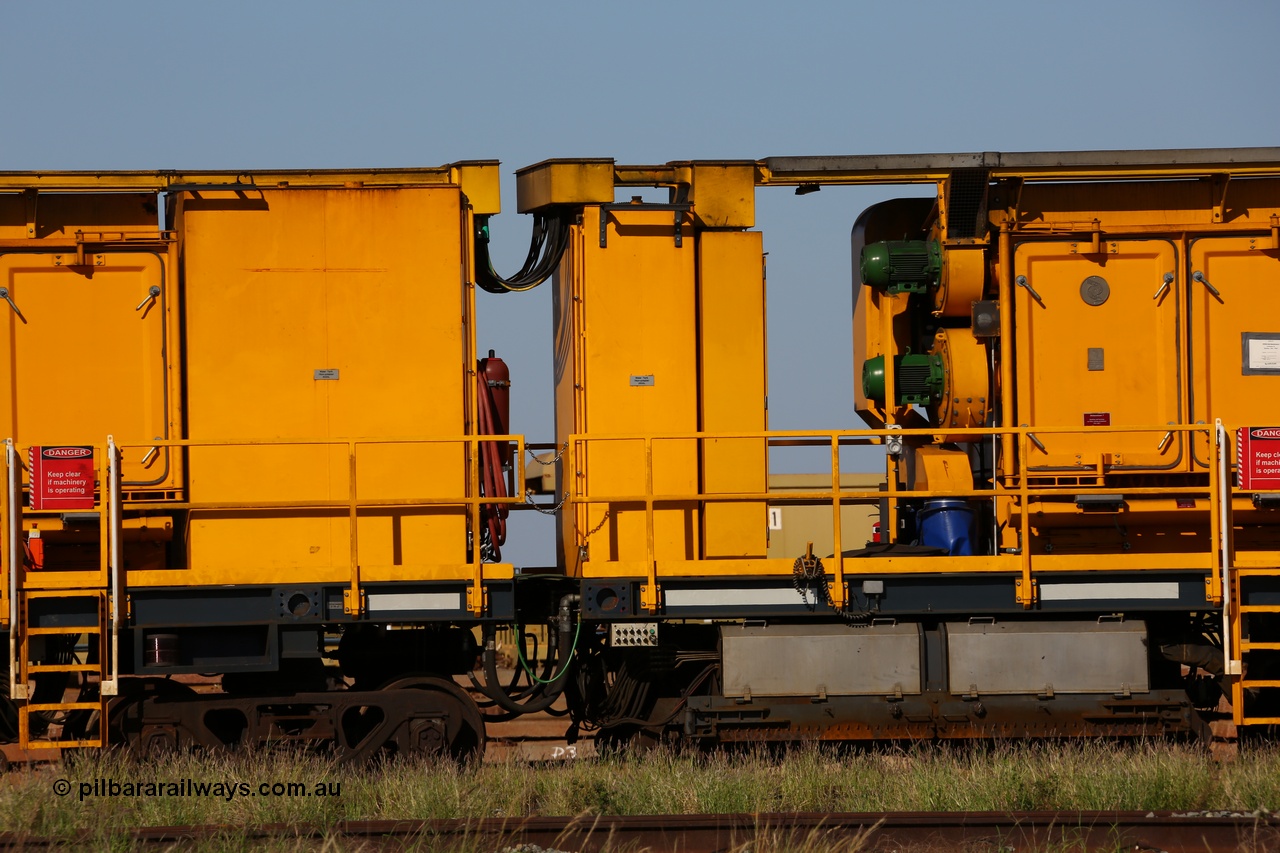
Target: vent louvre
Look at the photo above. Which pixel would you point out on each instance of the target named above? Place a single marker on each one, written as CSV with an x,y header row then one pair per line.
x,y
967,203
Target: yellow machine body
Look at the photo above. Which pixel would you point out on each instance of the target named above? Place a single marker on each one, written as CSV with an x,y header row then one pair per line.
x,y
280,395
326,314
659,330
91,328
1086,324
278,388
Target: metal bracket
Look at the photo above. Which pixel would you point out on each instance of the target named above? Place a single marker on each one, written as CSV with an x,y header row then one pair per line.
x,y
353,608
1220,182
80,259
679,208
30,201
650,597
477,607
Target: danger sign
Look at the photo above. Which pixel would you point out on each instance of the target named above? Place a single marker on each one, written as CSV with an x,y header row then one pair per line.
x,y
1258,457
61,477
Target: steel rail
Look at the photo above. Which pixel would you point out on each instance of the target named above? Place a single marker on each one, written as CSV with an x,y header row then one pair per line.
x,y
1173,832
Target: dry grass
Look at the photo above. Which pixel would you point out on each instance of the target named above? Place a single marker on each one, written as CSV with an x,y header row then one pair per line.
x,y
1087,776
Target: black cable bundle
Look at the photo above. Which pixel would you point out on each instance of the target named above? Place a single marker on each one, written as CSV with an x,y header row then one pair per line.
x,y
546,246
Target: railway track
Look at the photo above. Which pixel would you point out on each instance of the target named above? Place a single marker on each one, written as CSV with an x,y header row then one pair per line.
x,y
1172,832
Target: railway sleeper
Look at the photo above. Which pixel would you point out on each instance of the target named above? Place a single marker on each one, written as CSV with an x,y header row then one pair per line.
x,y
414,716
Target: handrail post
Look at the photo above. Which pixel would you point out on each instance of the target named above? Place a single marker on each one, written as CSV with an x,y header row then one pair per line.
x,y
111,686
1213,581
517,493
650,595
353,600
1006,354
838,593
566,485
1232,665
889,533
13,503
1026,586
475,591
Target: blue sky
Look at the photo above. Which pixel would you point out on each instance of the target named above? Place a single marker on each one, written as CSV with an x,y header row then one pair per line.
x,y
133,85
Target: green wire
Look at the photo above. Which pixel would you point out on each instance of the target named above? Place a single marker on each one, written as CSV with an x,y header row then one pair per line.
x,y
524,664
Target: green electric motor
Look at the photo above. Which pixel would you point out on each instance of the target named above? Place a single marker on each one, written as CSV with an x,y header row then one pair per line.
x,y
902,266
917,379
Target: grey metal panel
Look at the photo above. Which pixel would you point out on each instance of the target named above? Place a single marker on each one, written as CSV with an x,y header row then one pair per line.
x,y
1188,158
810,660
1040,657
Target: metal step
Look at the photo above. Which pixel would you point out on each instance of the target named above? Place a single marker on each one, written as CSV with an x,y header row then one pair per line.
x,y
93,673
65,667
62,706
63,744
69,629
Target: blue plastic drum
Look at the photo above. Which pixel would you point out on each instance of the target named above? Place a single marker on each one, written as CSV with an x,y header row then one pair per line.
x,y
947,523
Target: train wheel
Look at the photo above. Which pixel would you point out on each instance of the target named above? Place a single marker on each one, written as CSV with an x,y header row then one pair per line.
x,y
445,723
136,721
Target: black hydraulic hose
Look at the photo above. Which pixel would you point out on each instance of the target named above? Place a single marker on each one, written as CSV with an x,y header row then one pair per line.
x,y
535,687
547,245
565,647
532,698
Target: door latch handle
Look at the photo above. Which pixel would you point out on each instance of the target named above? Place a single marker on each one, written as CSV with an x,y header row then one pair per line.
x,y
1021,281
1199,276
152,293
1168,280
146,460
4,294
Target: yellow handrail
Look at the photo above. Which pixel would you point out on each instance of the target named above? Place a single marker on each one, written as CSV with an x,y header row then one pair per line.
x,y
1015,484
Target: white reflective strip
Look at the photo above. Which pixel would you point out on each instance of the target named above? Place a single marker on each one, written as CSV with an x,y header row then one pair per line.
x,y
1102,591
388,601
735,597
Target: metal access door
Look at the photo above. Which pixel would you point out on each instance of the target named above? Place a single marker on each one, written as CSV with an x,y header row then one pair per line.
x,y
1098,345
1234,319
87,355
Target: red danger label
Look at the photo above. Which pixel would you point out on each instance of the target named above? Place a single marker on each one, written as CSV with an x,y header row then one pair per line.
x,y
1097,419
1258,458
61,477
66,452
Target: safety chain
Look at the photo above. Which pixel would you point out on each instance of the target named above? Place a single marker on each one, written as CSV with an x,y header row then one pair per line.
x,y
529,493
596,529
554,459
528,498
